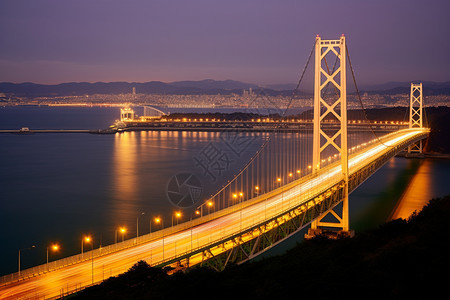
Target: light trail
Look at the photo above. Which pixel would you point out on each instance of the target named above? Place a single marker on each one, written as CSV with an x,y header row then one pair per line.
x,y
77,276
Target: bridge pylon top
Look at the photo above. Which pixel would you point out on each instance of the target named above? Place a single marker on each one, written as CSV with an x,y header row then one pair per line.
x,y
416,106
416,115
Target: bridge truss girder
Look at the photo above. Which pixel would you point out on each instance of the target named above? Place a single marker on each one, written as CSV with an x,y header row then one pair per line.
x,y
265,236
250,243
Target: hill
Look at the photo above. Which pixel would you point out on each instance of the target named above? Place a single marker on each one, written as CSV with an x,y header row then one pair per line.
x,y
207,86
430,88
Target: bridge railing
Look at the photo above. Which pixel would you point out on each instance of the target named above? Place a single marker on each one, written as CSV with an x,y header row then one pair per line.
x,y
105,250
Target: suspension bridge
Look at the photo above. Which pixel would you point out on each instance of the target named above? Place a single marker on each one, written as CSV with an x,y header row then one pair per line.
x,y
295,180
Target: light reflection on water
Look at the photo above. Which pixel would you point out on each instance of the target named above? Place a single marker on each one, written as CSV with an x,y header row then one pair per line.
x,y
124,177
416,194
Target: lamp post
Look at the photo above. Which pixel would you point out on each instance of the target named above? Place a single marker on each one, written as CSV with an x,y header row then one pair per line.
x,y
257,190
137,224
86,239
159,220
241,196
122,230
210,204
282,195
54,248
177,215
151,223
32,247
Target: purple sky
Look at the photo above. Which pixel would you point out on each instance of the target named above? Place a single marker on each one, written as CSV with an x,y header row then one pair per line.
x,y
256,41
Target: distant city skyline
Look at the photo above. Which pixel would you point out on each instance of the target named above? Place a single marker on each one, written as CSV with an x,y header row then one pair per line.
x,y
260,42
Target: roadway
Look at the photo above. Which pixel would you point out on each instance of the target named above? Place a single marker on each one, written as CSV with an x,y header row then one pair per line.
x,y
241,216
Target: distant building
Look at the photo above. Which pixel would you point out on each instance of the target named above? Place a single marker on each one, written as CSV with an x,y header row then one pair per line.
x,y
248,93
126,114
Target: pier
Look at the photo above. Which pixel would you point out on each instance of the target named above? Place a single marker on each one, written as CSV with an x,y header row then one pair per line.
x,y
30,131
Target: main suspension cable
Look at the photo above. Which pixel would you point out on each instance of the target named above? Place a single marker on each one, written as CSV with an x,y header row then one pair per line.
x,y
360,101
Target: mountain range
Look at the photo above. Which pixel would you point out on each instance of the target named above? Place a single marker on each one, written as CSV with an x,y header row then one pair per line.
x,y
207,86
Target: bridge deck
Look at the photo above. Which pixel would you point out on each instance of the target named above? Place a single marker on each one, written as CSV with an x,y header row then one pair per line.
x,y
209,230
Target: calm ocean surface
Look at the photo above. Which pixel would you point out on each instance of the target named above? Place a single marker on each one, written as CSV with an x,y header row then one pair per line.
x,y
58,187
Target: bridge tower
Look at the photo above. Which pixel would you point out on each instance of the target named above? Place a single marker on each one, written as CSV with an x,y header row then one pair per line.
x,y
415,115
331,108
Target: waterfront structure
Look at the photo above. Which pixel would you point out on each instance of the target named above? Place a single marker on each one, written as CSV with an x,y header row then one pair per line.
x,y
127,114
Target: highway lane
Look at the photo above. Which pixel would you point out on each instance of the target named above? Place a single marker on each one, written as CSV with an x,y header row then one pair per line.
x,y
77,276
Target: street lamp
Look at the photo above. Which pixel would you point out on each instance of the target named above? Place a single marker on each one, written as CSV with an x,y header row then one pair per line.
x,y
159,220
177,215
122,230
210,204
32,247
282,190
137,224
86,239
54,248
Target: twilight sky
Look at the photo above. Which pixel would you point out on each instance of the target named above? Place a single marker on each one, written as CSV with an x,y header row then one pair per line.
x,y
256,41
